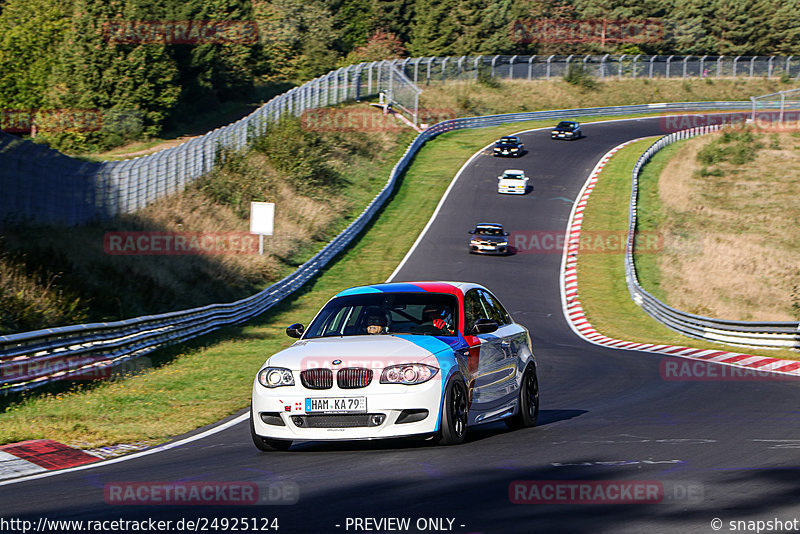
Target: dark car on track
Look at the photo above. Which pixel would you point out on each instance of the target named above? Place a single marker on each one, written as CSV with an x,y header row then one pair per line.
x,y
567,130
508,145
488,238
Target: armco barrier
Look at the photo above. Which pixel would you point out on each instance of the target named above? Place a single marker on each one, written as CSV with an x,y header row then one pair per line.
x,y
758,334
31,359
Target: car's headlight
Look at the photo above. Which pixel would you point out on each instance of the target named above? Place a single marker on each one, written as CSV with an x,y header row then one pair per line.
x,y
474,242
503,244
273,377
408,374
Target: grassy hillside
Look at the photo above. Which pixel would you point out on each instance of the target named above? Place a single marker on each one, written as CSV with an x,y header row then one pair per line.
x,y
319,180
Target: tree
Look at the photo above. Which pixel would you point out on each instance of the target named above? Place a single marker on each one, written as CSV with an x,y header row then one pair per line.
x,y
30,31
381,45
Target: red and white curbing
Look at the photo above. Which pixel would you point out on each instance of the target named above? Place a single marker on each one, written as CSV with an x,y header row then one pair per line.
x,y
577,320
39,455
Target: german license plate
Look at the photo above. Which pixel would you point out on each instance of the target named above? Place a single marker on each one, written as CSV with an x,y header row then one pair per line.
x,y
337,405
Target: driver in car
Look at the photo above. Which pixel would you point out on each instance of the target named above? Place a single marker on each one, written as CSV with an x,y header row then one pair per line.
x,y
376,323
435,320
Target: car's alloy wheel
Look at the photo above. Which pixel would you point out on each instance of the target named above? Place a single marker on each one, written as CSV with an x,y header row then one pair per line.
x,y
454,414
528,401
266,444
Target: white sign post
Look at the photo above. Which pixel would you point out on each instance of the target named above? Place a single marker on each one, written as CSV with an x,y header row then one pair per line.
x,y
262,218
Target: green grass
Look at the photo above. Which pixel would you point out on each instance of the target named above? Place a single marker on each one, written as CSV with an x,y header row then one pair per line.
x,y
649,217
601,277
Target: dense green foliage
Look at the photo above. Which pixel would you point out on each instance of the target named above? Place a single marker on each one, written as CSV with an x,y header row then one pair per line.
x,y
56,54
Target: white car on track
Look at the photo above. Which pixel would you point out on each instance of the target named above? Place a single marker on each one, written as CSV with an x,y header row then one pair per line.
x,y
512,182
401,359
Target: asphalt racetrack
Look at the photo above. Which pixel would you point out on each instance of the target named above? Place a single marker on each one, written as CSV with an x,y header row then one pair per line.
x,y
610,425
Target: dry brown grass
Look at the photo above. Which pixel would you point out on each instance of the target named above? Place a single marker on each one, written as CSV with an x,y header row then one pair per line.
x,y
43,270
732,249
470,98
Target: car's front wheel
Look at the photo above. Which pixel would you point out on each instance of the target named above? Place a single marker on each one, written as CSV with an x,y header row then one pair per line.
x,y
454,414
528,401
266,444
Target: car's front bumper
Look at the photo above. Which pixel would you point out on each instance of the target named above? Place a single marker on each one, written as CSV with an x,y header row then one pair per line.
x,y
511,190
286,406
503,249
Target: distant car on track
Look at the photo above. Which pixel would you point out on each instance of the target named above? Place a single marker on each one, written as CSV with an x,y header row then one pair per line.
x,y
508,145
399,359
567,130
512,182
488,238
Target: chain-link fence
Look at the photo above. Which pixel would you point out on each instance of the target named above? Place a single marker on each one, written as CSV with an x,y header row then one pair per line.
x,y
430,70
44,186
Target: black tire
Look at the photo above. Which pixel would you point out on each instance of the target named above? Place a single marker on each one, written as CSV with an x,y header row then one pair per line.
x,y
266,444
454,414
528,401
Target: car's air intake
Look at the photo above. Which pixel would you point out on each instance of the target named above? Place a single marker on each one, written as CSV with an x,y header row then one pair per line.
x,y
317,378
353,377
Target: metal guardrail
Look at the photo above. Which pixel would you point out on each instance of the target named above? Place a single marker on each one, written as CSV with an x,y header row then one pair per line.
x,y
30,359
783,334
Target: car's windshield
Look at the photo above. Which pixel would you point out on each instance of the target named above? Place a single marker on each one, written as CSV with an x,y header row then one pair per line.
x,y
513,176
564,124
397,313
488,231
507,141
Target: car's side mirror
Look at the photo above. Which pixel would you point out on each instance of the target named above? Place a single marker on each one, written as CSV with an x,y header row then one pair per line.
x,y
506,233
296,330
484,326
472,232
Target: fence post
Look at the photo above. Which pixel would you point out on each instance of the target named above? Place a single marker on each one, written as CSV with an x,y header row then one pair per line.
x,y
603,66
702,69
735,61
511,67
477,59
719,65
428,78
461,65
685,59
494,61
547,77
752,64
769,66
444,67
619,70
788,66
669,60
652,58
635,60
530,66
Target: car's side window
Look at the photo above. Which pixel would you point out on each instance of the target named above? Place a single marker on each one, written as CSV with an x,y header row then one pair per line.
x,y
473,310
498,308
491,311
